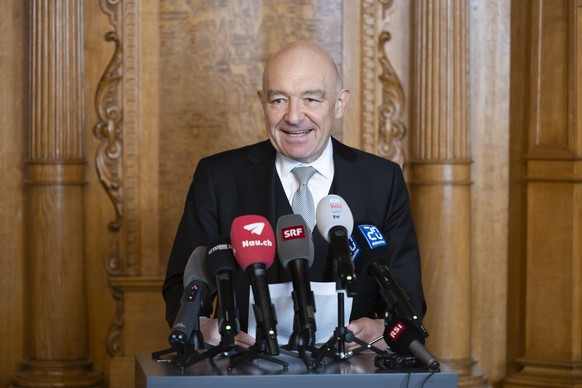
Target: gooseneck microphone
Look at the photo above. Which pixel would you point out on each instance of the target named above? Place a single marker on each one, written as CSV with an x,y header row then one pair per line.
x,y
371,256
221,264
196,288
335,222
404,331
253,243
295,250
393,294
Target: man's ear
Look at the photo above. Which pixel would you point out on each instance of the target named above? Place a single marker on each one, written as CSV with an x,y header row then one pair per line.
x,y
341,102
261,96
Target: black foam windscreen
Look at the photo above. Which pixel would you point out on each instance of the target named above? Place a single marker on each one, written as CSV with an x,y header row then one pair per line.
x,y
220,256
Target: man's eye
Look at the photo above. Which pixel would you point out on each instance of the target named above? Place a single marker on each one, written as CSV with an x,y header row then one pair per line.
x,y
277,101
311,100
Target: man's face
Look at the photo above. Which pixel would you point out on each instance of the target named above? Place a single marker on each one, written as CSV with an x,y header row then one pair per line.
x,y
302,102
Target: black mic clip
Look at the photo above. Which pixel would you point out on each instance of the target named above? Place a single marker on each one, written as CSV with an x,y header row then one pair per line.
x,y
343,264
393,361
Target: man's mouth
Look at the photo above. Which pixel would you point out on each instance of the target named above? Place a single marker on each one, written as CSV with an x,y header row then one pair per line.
x,y
297,133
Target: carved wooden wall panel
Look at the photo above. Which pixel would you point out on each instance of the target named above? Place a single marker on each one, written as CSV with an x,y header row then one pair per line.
x,y
207,94
552,134
552,353
383,119
116,159
212,56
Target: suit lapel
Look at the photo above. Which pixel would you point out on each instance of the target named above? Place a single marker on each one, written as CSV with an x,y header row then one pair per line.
x,y
260,187
350,182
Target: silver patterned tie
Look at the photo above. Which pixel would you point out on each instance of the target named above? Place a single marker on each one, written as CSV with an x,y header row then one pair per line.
x,y
302,202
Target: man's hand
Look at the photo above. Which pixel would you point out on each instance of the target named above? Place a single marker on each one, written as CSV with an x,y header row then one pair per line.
x,y
209,329
367,330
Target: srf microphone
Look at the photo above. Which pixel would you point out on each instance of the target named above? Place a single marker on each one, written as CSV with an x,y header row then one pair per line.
x,y
253,243
220,263
335,222
371,256
196,288
404,338
295,250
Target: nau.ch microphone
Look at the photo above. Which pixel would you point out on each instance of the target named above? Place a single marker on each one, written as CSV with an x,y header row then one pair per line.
x,y
253,243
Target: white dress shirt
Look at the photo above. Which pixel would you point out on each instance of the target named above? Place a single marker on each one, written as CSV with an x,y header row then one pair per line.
x,y
320,182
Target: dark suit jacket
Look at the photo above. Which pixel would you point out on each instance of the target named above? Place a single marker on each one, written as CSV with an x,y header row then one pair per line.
x,y
244,181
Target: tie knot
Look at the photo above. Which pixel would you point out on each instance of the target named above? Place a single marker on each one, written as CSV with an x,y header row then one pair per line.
x,y
303,174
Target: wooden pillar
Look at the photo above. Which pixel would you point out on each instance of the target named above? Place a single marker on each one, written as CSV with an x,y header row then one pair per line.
x,y
553,269
56,312
440,178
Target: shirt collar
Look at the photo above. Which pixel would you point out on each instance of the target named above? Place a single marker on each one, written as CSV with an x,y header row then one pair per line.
x,y
323,164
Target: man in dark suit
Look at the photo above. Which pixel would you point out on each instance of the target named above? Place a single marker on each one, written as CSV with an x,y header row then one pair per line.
x,y
303,99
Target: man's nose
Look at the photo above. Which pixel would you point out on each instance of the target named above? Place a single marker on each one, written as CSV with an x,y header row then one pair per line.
x,y
295,113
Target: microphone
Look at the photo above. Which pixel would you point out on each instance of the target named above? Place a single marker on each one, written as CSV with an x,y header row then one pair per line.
x,y
196,288
253,244
295,250
335,222
220,263
404,337
370,252
404,332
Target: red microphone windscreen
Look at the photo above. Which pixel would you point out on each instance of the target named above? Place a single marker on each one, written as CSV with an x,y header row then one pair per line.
x,y
253,241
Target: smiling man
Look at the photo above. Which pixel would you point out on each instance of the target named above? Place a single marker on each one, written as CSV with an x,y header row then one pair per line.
x,y
303,100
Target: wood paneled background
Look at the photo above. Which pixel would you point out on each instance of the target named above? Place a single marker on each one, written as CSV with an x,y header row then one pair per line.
x,y
107,106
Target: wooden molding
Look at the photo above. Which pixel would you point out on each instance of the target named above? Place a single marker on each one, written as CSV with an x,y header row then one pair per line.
x,y
117,103
382,129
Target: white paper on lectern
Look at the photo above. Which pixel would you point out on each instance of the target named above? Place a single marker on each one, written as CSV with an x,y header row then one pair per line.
x,y
326,310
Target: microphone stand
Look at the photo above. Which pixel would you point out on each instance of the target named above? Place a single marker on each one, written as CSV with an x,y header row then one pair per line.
x,y
303,338
226,346
256,351
223,347
340,337
183,351
302,341
341,334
